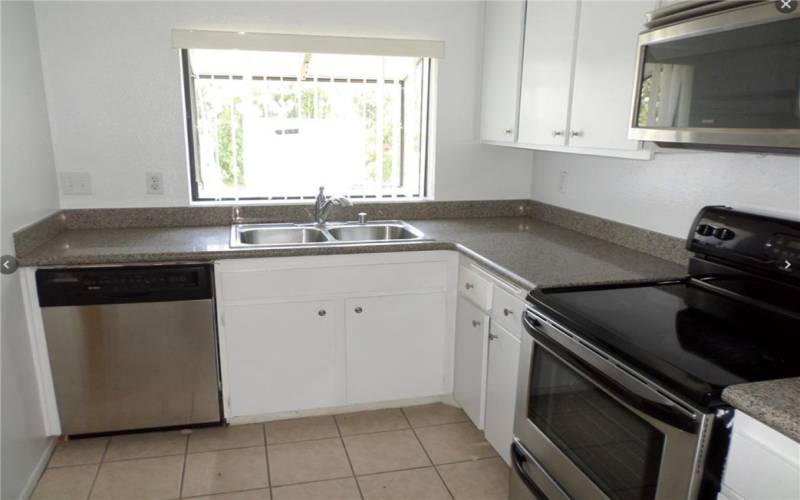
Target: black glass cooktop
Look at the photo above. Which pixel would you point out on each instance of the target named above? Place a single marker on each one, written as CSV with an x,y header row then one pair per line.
x,y
691,340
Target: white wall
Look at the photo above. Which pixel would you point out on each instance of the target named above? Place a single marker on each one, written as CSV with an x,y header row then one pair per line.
x,y
27,193
665,194
114,94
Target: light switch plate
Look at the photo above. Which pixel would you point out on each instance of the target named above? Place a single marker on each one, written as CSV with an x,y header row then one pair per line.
x,y
73,183
155,182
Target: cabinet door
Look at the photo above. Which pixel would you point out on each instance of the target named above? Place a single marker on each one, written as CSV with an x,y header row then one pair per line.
x,y
501,390
547,72
604,73
502,54
395,347
284,357
469,384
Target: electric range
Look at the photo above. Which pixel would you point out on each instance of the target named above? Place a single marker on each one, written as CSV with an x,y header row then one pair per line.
x,y
620,386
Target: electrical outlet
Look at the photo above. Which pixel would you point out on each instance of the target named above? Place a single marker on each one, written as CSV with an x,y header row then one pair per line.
x,y
155,182
562,182
76,183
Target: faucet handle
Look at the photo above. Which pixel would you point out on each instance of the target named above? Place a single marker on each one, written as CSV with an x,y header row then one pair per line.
x,y
362,217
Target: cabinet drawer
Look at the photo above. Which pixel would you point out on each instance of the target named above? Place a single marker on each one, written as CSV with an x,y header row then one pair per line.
x,y
507,311
260,284
475,287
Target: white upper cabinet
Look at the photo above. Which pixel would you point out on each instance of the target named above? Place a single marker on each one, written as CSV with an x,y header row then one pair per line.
x,y
547,72
502,51
604,74
576,81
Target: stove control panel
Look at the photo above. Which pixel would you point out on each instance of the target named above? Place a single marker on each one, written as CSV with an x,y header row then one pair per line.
x,y
766,242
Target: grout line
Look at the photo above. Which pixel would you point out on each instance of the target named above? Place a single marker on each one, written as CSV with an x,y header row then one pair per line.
x,y
228,493
99,466
266,454
185,459
429,457
347,454
233,448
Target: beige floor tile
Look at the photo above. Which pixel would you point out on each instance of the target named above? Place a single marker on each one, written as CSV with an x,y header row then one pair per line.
x,y
307,461
261,494
385,451
364,422
151,444
434,414
78,452
225,471
336,489
454,443
65,483
404,485
224,438
478,480
146,479
301,429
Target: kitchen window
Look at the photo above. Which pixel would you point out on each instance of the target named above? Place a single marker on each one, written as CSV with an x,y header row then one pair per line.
x,y
276,124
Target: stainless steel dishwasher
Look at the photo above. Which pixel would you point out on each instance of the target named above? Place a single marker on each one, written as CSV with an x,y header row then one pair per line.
x,y
131,347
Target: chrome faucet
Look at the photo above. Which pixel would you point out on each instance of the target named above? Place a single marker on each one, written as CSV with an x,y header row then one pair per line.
x,y
323,205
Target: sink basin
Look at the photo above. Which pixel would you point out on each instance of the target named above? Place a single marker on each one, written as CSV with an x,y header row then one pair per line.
x,y
281,235
375,232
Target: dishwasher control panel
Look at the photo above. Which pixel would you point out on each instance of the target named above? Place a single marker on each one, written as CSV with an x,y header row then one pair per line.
x,y
110,285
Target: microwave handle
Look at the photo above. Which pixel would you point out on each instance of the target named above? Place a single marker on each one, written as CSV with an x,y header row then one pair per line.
x,y
608,375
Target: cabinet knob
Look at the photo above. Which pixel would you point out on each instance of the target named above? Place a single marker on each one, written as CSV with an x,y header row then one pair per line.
x,y
358,310
322,312
492,336
476,323
508,131
576,133
558,133
469,286
507,312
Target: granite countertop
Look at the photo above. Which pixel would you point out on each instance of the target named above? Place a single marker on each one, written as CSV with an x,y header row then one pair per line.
x,y
526,251
776,403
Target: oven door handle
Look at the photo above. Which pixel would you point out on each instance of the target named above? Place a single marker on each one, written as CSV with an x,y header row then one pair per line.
x,y
518,459
607,374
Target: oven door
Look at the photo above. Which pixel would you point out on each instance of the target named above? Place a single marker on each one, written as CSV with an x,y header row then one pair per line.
x,y
728,79
597,430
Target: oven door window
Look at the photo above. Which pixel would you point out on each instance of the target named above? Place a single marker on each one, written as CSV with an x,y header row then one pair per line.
x,y
747,78
617,450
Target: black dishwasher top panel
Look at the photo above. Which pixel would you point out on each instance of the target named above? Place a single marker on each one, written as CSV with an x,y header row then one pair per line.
x,y
121,285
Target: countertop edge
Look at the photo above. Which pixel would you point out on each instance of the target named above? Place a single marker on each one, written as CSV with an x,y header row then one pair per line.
x,y
775,403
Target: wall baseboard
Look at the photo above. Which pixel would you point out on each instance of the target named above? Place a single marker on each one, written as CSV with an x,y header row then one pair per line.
x,y
37,472
335,410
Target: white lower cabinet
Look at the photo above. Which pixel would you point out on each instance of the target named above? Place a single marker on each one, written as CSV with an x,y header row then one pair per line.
x,y
284,356
290,342
469,381
501,389
762,463
395,347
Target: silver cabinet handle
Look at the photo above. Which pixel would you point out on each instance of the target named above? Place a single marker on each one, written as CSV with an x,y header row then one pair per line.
x,y
492,336
508,131
469,286
322,312
476,323
558,133
576,133
358,310
507,312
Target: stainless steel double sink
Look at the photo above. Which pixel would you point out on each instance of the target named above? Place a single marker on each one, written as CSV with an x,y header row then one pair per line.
x,y
265,235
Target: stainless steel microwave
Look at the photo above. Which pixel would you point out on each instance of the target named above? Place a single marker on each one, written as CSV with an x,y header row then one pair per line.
x,y
729,79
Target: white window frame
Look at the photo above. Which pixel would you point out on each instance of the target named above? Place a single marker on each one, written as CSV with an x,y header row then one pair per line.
x,y
434,50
